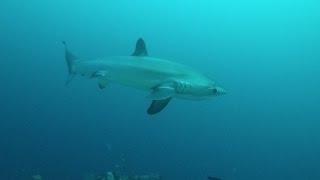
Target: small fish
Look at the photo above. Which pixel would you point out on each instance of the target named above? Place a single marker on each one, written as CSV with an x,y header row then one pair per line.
x,y
213,178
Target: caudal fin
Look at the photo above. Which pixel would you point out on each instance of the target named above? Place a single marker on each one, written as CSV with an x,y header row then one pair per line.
x,y
70,59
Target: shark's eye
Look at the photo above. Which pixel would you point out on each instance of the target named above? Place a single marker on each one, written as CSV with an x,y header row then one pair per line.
x,y
214,90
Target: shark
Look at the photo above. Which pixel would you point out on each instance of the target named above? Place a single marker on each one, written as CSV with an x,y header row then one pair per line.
x,y
163,79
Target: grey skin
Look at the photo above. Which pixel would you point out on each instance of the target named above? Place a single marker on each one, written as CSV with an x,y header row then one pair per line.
x,y
163,79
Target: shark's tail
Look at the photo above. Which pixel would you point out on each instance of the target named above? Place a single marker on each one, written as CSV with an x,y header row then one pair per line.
x,y
70,59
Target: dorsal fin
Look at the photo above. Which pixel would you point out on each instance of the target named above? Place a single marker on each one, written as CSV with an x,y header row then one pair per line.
x,y
141,49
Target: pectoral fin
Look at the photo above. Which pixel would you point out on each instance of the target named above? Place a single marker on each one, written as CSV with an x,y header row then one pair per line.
x,y
158,105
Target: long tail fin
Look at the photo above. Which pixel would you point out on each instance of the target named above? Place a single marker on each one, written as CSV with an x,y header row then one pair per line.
x,y
70,59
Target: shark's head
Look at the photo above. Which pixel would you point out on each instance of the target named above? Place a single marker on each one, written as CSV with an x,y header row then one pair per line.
x,y
202,89
207,91
217,91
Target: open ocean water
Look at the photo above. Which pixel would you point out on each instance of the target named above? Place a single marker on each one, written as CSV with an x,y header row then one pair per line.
x,y
265,53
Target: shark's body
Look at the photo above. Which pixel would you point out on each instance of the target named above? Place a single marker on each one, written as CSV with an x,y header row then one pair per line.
x,y
143,73
162,78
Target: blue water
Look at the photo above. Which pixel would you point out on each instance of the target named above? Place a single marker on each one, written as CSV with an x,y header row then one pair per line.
x,y
265,53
